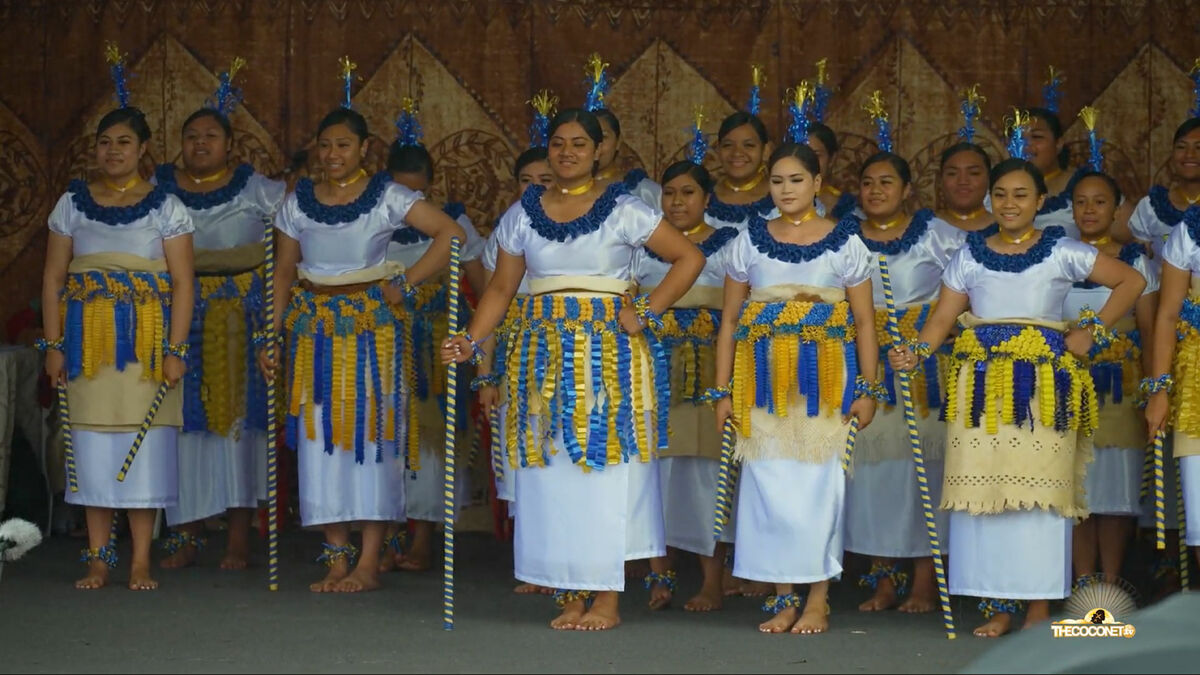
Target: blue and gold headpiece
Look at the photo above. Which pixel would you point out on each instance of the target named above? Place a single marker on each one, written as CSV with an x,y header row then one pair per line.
x,y
408,125
116,68
543,104
758,78
821,93
1095,157
883,128
1194,73
1052,91
346,75
597,83
971,103
1016,127
799,103
698,148
227,96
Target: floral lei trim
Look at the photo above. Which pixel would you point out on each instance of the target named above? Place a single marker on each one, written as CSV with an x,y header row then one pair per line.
x,y
715,242
1191,218
845,206
761,237
916,229
1129,254
198,201
589,222
1062,200
411,235
1164,210
738,213
340,213
634,177
1012,262
114,215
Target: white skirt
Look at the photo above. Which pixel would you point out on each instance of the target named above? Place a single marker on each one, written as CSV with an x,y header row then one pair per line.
x,y
884,514
423,490
1114,482
151,483
575,530
1015,555
1190,472
689,497
336,489
217,473
789,521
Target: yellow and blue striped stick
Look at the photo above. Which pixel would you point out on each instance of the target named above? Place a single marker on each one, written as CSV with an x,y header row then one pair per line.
x,y
1181,514
851,439
451,428
64,415
725,478
1160,518
498,451
272,401
143,430
914,439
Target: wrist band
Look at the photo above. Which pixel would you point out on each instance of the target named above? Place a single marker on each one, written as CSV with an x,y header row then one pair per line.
x,y
646,316
488,380
873,390
178,349
44,345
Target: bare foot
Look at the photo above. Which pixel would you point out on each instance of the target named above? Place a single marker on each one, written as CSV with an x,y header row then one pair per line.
x,y
416,560
919,602
603,614
572,612
139,578
97,576
389,561
996,626
358,581
236,558
185,556
532,589
338,572
884,598
1037,612
781,622
660,597
815,619
706,600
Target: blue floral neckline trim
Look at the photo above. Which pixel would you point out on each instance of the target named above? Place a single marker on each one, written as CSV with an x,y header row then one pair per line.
x,y
634,177
761,237
737,213
340,213
845,206
198,201
1164,210
917,227
114,215
1191,218
715,242
454,209
1062,200
589,222
1129,254
411,235
1012,262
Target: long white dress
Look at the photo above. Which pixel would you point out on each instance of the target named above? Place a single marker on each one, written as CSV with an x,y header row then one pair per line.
x,y
223,469
1182,251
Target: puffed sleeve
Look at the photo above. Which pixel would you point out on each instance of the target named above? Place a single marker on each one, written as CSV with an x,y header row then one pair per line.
x,y
489,254
957,276
1180,250
175,220
60,218
1139,221
650,193
473,248
737,258
288,221
398,199
267,194
1150,272
857,262
635,220
944,240
1076,259
510,234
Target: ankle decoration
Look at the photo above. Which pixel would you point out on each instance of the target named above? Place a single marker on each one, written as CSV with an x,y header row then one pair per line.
x,y
993,606
665,579
1087,580
332,554
777,603
105,554
561,597
395,542
1163,567
177,540
878,571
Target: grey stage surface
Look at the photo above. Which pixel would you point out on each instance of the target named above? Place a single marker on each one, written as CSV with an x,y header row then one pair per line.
x,y
205,620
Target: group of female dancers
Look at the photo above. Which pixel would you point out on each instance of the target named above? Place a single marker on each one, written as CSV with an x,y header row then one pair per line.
x,y
649,354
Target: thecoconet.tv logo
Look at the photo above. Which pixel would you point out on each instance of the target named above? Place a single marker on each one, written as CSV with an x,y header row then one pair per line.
x,y
1097,623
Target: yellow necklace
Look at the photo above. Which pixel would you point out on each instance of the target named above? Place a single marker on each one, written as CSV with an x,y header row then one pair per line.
x,y
208,179
808,215
361,172
831,190
753,182
1017,239
1052,175
1100,241
607,174
884,227
578,190
969,216
123,188
1186,198
699,226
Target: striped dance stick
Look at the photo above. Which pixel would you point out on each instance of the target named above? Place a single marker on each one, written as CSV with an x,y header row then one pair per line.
x,y
1181,515
143,430
1160,518
451,429
272,400
851,439
64,415
914,439
725,478
498,452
